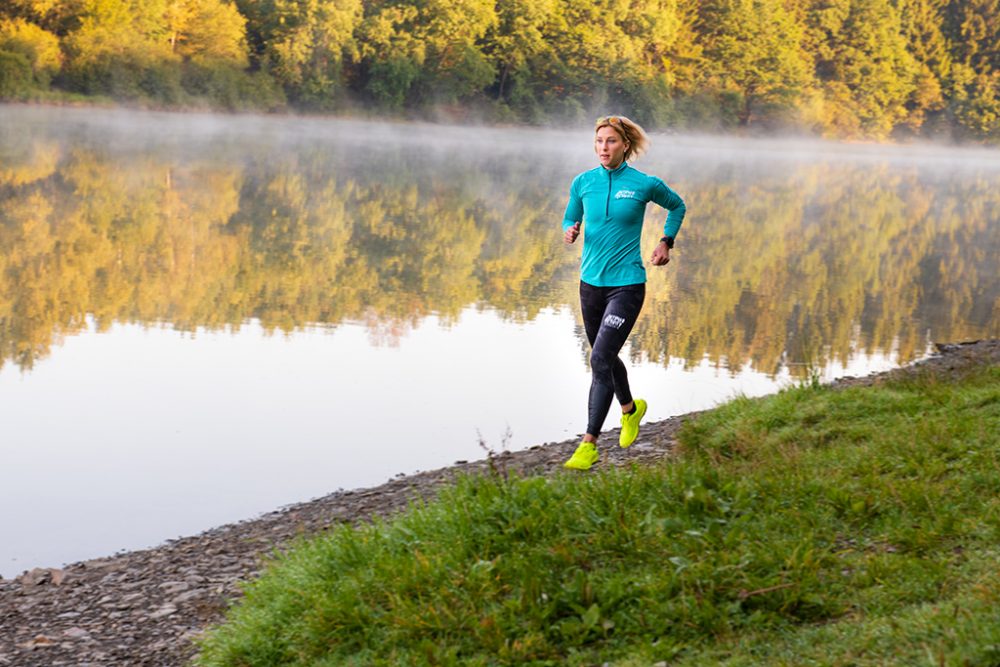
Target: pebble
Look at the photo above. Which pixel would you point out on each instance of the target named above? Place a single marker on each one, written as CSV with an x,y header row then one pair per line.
x,y
77,633
171,587
165,610
190,595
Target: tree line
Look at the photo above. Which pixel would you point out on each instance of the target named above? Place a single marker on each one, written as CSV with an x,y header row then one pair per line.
x,y
845,68
792,267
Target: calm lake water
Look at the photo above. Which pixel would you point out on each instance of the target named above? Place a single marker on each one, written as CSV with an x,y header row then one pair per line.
x,y
203,318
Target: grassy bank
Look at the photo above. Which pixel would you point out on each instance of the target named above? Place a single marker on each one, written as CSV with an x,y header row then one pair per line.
x,y
816,526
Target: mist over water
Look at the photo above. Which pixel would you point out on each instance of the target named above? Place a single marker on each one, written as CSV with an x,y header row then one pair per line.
x,y
199,313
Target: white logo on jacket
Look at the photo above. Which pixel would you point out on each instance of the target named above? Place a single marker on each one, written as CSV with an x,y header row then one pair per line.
x,y
625,194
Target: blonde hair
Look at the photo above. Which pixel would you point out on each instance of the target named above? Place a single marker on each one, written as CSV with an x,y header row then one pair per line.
x,y
629,131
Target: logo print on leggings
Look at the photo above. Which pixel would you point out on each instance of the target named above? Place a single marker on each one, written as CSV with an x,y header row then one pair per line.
x,y
614,321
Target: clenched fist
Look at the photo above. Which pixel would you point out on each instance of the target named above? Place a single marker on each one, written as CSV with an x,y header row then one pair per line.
x,y
572,233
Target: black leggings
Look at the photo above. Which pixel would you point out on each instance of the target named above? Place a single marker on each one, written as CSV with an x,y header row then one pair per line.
x,y
609,314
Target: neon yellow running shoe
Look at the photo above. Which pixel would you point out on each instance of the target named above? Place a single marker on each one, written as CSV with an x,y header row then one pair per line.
x,y
630,424
585,456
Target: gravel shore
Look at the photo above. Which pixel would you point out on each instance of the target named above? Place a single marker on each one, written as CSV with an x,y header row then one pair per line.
x,y
146,607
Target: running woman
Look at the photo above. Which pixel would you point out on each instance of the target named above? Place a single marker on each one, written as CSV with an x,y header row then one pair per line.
x,y
610,201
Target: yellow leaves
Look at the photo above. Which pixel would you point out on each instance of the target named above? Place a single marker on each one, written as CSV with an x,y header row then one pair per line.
x,y
32,237
28,162
39,46
214,31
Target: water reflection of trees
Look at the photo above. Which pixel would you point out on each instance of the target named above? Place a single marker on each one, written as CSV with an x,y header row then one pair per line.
x,y
803,265
796,265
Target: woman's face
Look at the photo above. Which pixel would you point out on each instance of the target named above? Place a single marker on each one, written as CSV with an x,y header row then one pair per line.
x,y
610,147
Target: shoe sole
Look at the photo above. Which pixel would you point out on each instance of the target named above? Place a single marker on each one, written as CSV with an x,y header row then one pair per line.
x,y
579,466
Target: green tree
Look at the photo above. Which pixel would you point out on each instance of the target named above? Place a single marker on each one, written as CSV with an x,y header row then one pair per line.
x,y
516,41
122,48
40,47
305,44
573,58
973,27
207,30
120,27
862,62
425,52
754,51
975,102
922,25
15,75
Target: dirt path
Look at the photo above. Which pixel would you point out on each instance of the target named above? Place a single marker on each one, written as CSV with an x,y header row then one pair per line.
x,y
144,607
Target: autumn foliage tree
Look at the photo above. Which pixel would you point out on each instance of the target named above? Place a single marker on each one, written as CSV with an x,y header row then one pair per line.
x,y
845,68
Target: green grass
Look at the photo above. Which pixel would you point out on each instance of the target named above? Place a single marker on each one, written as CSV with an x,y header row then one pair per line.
x,y
813,527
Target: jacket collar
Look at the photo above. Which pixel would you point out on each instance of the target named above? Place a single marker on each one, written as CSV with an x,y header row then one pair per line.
x,y
617,170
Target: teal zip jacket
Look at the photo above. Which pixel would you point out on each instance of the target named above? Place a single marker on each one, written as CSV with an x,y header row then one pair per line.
x,y
611,204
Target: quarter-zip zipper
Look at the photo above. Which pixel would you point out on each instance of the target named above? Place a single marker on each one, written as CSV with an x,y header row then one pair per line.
x,y
607,204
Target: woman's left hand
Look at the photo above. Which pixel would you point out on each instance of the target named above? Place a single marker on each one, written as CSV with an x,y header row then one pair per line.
x,y
661,255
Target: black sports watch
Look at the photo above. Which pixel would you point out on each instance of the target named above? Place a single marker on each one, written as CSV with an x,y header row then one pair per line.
x,y
669,240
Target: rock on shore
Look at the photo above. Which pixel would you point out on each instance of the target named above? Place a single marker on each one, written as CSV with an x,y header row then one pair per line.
x,y
146,607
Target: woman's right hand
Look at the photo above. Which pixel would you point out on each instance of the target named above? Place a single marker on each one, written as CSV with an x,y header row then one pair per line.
x,y
572,233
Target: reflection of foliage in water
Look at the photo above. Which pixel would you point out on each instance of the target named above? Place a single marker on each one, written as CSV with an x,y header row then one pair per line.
x,y
292,241
791,265
800,265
